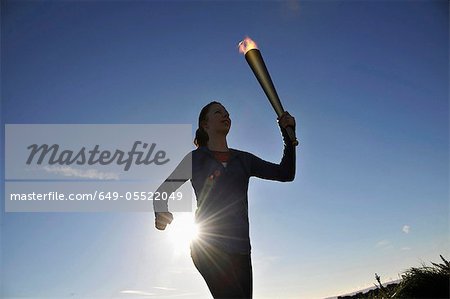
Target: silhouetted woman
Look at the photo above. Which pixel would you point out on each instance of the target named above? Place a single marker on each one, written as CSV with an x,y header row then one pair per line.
x,y
220,177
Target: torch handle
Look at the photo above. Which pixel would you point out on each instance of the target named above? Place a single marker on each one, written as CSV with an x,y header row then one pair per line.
x,y
291,135
290,131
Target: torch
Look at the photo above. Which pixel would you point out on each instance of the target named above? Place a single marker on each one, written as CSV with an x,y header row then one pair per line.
x,y
255,61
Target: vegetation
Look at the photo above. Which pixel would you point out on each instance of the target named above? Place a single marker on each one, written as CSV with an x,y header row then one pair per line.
x,y
424,282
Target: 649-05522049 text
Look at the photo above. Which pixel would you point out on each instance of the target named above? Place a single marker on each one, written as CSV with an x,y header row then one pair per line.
x,y
97,195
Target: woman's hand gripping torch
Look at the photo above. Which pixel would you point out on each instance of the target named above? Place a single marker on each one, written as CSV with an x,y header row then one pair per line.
x,y
255,61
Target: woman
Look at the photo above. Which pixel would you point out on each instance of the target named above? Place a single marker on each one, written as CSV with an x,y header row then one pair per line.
x,y
220,177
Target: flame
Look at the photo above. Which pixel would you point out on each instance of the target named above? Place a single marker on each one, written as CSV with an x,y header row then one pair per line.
x,y
246,45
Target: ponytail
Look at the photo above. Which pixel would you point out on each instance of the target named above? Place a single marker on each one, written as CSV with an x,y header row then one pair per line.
x,y
201,137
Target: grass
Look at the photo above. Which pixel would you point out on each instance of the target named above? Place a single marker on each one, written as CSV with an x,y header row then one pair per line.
x,y
423,282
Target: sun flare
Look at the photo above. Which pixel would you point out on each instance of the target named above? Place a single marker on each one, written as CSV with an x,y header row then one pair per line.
x,y
182,231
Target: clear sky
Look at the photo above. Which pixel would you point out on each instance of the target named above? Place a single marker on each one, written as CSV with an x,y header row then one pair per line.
x,y
366,80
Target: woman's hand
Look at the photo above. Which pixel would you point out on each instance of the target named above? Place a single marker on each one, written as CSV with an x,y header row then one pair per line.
x,y
286,120
162,219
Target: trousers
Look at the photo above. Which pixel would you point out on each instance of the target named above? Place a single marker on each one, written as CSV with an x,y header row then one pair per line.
x,y
227,275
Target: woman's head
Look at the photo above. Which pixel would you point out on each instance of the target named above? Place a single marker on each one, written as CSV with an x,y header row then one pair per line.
x,y
213,118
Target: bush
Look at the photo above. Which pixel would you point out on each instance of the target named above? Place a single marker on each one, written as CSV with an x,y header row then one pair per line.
x,y
424,282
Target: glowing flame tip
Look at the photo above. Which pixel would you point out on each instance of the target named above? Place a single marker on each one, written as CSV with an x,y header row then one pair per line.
x,y
246,45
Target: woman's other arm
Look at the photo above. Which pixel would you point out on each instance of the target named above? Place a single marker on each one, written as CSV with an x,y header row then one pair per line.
x,y
176,179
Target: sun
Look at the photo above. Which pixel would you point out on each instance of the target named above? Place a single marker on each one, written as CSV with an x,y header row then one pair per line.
x,y
182,231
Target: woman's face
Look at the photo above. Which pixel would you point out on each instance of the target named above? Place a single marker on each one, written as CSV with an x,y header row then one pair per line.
x,y
218,120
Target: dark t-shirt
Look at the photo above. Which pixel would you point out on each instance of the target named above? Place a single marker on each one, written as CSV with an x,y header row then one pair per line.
x,y
221,191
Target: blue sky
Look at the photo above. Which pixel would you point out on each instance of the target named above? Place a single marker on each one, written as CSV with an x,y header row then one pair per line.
x,y
366,81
